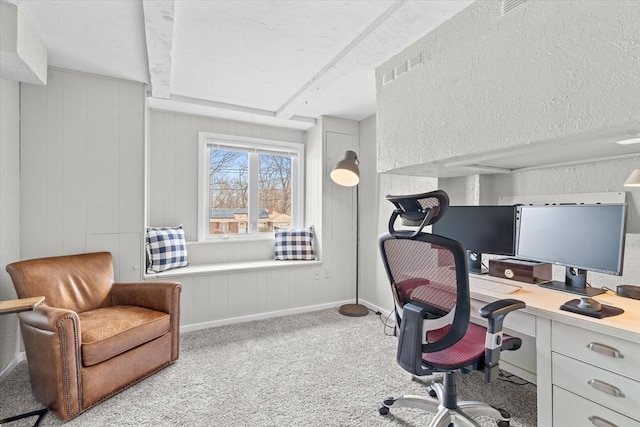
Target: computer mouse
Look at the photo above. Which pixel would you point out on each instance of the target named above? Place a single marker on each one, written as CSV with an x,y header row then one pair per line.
x,y
589,304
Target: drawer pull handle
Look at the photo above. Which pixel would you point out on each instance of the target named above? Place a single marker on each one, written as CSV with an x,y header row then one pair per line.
x,y
605,349
605,388
599,422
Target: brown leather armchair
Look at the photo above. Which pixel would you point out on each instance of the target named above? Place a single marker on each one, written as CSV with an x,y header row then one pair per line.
x,y
92,337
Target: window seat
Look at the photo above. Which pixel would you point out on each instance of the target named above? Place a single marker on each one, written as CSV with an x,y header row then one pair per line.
x,y
207,269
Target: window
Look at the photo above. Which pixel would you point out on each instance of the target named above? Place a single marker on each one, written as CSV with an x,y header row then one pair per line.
x,y
248,186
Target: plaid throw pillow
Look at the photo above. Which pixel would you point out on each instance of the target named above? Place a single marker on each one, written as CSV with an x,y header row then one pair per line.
x,y
294,244
166,248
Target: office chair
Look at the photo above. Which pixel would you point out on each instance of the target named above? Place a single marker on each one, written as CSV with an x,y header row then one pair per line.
x,y
430,286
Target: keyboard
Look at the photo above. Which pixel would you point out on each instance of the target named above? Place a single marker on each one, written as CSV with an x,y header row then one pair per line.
x,y
490,285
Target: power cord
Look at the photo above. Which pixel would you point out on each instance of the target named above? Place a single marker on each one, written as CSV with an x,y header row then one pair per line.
x,y
386,325
506,377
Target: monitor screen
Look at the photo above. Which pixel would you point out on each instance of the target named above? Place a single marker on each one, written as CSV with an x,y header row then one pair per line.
x,y
588,237
480,229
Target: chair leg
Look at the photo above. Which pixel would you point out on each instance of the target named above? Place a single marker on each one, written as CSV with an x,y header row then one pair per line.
x,y
408,401
476,409
448,411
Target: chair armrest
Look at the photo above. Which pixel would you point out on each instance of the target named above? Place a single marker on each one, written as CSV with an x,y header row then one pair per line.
x,y
410,337
160,296
46,318
51,339
495,313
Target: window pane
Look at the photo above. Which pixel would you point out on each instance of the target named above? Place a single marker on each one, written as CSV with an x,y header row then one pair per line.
x,y
228,192
274,192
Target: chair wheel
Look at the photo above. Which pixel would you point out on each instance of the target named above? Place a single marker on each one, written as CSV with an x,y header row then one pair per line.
x,y
383,410
389,401
503,423
433,393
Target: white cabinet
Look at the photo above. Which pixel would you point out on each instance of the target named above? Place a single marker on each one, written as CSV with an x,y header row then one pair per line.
x,y
595,376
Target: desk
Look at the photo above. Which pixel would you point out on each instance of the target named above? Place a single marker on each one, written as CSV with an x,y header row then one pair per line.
x,y
17,306
587,370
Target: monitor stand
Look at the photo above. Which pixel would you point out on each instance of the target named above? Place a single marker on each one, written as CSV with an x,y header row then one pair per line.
x,y
475,263
575,282
561,286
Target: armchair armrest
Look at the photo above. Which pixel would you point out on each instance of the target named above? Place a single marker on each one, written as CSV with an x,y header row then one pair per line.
x,y
495,313
160,296
46,318
52,342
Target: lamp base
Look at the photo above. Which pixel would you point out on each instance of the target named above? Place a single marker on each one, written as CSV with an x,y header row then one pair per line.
x,y
353,310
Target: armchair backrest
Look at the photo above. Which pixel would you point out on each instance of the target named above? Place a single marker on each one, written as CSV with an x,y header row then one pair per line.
x,y
76,282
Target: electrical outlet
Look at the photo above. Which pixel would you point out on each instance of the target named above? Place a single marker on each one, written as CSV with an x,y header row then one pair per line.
x,y
316,274
327,272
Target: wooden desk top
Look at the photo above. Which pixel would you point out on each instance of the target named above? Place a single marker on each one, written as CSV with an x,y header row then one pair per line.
x,y
546,303
18,305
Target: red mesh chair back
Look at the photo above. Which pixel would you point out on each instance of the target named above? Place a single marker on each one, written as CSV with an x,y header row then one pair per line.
x,y
431,270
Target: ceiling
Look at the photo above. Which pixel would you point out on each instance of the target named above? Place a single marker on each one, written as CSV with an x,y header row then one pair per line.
x,y
274,62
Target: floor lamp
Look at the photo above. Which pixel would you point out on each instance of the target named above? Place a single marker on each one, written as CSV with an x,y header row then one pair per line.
x,y
347,174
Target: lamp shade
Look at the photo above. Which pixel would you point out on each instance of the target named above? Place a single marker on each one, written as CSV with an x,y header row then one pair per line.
x,y
634,179
346,171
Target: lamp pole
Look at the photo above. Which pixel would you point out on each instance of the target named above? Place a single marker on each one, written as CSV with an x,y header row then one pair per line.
x,y
347,173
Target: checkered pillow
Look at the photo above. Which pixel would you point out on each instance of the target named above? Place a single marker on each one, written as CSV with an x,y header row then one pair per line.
x,y
294,244
166,248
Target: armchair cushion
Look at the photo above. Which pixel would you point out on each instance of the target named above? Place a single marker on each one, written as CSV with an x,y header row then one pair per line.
x,y
109,331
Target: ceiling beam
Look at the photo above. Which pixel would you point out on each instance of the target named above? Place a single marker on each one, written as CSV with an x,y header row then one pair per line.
x,y
400,25
158,29
331,72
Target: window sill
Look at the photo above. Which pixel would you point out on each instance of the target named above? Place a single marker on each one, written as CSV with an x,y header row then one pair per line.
x,y
206,269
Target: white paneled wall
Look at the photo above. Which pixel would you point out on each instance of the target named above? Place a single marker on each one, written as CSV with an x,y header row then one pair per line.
x,y
9,215
215,298
82,168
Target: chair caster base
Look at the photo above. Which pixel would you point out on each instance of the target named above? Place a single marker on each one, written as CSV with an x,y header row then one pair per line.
x,y
383,410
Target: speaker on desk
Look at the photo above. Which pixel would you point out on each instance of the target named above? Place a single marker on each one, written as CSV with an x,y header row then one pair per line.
x,y
520,270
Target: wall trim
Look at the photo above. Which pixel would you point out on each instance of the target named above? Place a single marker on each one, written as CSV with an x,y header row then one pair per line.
x,y
22,356
261,316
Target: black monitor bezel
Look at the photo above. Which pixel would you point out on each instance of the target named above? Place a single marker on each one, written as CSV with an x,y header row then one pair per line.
x,y
436,228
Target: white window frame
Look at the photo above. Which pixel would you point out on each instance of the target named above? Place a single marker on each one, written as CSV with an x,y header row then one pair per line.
x,y
208,140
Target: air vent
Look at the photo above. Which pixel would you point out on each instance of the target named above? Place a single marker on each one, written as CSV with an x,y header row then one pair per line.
x,y
415,61
387,77
509,5
401,69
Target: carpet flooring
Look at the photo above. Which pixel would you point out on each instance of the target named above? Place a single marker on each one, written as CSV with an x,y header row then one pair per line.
x,y
311,369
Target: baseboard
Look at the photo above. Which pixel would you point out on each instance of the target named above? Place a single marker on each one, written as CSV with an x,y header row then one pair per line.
x,y
260,316
12,365
384,312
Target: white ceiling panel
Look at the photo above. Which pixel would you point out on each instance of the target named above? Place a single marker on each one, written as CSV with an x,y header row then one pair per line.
x,y
100,37
280,60
259,53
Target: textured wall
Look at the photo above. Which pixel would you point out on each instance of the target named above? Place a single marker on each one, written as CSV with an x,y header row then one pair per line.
x,y
546,70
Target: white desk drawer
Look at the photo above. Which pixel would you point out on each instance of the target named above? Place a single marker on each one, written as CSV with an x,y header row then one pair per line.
x,y
572,410
610,390
611,353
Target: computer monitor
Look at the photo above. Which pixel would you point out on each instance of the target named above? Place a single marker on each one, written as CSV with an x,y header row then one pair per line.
x,y
480,229
579,237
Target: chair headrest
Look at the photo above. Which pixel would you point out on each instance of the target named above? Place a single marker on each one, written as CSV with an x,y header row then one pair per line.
x,y
418,210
